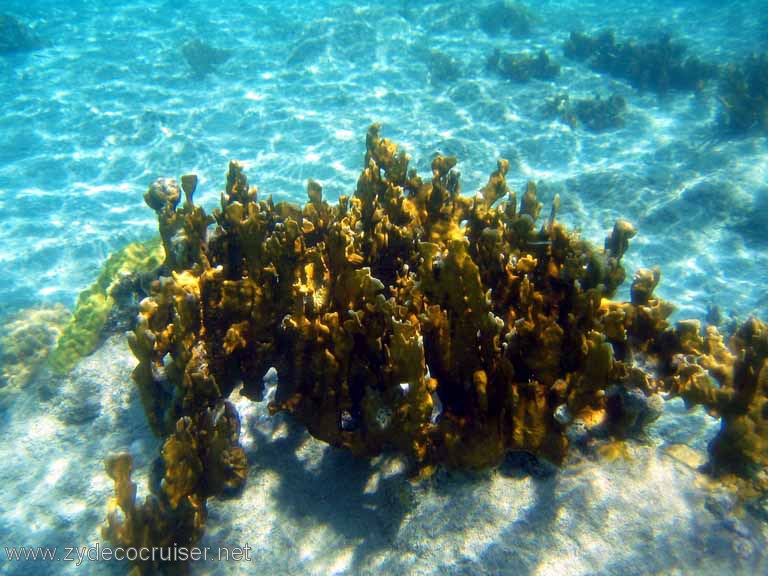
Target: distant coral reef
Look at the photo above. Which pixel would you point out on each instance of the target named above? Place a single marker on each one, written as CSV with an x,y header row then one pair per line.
x,y
662,66
523,67
658,66
16,37
407,316
595,114
203,58
442,68
744,95
505,16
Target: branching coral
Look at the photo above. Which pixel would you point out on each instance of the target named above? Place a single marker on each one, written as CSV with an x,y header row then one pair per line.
x,y
732,382
153,526
407,316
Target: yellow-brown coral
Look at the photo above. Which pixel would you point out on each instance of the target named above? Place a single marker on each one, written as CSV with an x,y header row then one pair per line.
x,y
406,316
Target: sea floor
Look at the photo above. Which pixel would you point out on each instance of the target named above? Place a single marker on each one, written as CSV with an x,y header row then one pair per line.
x,y
109,104
642,507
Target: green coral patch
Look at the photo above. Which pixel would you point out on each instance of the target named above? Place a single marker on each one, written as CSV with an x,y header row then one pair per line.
x,y
81,335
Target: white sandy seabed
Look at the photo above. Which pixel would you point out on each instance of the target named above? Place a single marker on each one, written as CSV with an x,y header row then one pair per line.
x,y
308,508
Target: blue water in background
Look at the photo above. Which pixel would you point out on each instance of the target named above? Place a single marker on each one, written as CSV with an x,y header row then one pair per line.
x,y
109,104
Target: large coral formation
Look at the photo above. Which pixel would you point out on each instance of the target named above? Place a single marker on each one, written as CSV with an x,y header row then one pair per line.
x,y
351,303
408,316
658,66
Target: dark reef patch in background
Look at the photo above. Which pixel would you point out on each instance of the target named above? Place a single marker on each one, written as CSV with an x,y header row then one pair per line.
x,y
659,65
17,37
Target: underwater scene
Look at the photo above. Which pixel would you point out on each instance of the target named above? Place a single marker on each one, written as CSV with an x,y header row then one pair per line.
x,y
407,287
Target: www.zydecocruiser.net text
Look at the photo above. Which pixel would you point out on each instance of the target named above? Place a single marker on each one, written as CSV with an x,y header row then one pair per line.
x,y
100,553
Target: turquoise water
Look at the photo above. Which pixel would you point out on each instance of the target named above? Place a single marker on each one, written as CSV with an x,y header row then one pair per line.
x,y
108,103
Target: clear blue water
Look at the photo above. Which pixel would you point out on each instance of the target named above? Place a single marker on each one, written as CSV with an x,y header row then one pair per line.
x,y
109,104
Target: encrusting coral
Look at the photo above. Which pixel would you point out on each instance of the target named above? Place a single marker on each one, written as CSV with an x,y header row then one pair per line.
x,y
83,332
407,316
55,338
26,342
